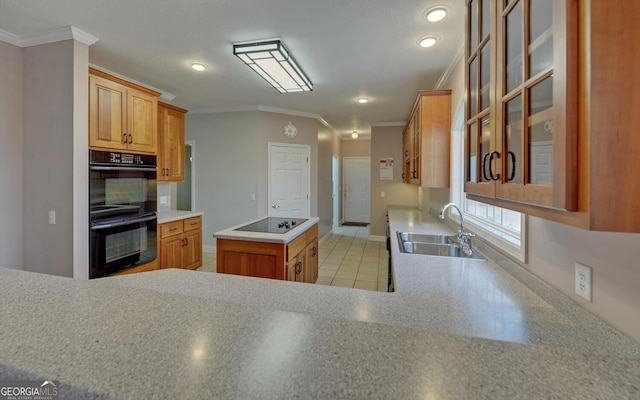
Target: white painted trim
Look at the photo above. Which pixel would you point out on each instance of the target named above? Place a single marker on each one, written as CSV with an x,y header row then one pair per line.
x,y
50,36
215,110
376,238
192,143
165,95
10,38
300,146
383,124
457,54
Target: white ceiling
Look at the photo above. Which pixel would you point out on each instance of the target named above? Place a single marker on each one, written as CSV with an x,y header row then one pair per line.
x,y
348,48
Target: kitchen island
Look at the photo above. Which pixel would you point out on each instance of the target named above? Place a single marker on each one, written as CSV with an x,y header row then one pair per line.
x,y
270,247
454,329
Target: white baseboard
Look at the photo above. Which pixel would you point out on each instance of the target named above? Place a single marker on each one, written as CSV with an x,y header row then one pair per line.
x,y
376,238
208,249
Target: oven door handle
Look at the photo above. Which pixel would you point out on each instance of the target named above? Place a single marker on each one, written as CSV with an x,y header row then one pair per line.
x,y
104,168
122,223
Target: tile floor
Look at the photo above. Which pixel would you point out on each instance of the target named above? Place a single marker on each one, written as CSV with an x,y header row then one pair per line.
x,y
346,258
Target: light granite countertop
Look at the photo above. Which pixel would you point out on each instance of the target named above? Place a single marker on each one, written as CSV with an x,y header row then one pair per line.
x,y
175,215
232,233
454,329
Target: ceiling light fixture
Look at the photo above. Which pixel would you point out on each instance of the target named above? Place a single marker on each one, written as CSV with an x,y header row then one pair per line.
x,y
354,135
437,13
273,62
427,41
362,100
198,66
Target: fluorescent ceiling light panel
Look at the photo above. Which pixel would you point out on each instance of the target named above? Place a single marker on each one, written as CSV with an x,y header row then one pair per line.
x,y
273,62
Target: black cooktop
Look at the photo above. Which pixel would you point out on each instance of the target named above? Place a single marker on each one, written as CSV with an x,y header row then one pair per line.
x,y
272,225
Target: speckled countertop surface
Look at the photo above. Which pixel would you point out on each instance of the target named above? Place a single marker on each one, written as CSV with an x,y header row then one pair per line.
x,y
231,233
197,335
175,215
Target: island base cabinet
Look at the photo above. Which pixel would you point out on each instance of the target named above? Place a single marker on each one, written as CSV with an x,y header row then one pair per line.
x,y
295,261
247,258
181,244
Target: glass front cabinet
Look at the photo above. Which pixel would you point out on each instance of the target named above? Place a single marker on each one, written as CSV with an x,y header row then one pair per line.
x,y
521,80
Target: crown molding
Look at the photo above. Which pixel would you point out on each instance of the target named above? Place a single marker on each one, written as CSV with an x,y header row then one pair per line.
x,y
166,96
10,38
51,36
274,110
455,58
384,124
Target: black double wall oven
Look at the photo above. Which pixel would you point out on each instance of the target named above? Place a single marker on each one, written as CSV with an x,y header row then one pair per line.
x,y
122,211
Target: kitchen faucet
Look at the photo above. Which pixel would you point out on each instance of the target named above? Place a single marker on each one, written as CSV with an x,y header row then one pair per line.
x,y
463,238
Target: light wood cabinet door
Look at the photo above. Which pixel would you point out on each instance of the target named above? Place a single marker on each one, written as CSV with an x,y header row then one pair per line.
x,y
311,266
142,125
171,252
192,250
170,143
107,114
426,140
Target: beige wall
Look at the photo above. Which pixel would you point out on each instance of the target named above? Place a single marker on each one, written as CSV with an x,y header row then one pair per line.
x,y
225,168
55,158
11,65
386,142
554,248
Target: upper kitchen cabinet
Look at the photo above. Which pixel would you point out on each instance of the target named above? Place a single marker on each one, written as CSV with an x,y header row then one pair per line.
x,y
551,109
521,101
122,115
170,143
426,140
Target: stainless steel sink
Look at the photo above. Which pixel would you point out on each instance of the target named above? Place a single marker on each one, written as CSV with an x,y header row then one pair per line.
x,y
433,245
424,238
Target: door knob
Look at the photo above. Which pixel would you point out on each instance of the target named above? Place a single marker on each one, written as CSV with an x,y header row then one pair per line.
x,y
274,206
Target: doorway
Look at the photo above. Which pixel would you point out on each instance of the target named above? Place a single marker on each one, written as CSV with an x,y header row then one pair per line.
x,y
289,180
186,196
335,192
357,189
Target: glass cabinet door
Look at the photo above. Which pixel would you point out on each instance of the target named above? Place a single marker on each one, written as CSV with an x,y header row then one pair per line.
x,y
479,143
534,57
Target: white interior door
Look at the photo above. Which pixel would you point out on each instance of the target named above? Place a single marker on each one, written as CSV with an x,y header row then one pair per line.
x,y
335,195
357,189
289,180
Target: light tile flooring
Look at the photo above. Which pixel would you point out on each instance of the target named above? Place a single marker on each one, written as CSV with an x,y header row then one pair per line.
x,y
346,258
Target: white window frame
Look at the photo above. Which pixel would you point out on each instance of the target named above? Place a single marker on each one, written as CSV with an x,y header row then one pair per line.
x,y
495,234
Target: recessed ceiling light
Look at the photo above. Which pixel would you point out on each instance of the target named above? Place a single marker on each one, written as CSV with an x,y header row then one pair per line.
x,y
435,14
362,100
427,41
198,66
354,135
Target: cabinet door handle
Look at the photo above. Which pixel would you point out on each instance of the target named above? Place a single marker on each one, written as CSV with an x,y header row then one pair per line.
x,y
484,166
124,138
130,139
497,177
173,229
513,166
313,251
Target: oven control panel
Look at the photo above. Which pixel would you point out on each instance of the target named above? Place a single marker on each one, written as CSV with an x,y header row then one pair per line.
x,y
115,158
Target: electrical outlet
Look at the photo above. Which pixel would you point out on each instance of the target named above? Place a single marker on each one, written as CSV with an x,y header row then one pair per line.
x,y
52,217
583,281
381,194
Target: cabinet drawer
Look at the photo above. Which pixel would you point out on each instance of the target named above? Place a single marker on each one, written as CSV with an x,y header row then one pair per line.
x,y
312,233
192,223
171,228
296,246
